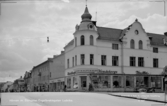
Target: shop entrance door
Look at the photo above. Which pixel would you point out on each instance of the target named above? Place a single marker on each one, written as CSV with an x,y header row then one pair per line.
x,y
146,82
83,82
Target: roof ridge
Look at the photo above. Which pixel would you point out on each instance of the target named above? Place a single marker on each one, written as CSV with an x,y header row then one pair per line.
x,y
110,28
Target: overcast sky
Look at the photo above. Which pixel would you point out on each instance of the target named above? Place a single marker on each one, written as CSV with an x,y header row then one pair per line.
x,y
25,26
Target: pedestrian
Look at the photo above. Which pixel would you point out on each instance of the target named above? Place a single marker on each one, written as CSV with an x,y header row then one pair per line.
x,y
64,88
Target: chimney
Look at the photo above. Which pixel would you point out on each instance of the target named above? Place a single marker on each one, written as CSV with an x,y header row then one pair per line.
x,y
62,52
150,38
165,33
94,22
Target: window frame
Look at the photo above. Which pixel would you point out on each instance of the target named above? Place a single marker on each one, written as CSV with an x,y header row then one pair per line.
x,y
115,59
155,63
140,44
82,59
140,61
103,60
91,40
82,40
133,61
115,46
132,44
155,49
91,59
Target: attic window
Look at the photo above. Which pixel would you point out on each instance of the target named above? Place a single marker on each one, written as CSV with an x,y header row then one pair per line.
x,y
136,32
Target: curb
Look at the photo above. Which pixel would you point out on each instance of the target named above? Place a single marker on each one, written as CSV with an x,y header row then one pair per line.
x,y
139,98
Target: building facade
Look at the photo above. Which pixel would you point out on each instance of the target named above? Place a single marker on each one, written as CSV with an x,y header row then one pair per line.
x,y
114,59
57,70
40,76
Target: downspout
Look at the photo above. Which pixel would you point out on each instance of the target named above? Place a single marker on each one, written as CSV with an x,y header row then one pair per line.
x,y
122,64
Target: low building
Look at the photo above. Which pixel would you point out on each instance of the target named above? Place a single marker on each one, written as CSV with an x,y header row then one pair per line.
x,y
6,86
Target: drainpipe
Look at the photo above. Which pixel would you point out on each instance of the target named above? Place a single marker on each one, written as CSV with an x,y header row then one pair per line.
x,y
122,66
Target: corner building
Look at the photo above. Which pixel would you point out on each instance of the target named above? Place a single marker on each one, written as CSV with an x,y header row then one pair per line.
x,y
114,59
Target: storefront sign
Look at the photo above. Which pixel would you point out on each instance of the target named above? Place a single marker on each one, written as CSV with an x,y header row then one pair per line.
x,y
71,73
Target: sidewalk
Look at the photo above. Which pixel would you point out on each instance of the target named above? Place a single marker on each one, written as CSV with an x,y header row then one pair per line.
x,y
154,97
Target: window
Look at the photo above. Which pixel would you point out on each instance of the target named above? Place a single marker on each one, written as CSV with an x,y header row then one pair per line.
x,y
103,59
75,41
75,60
155,49
117,81
132,44
129,81
91,59
68,63
140,61
91,40
82,40
132,61
115,60
68,82
140,44
82,59
115,46
155,62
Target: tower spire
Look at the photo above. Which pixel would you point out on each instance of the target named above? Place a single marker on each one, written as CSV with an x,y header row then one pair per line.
x,y
86,3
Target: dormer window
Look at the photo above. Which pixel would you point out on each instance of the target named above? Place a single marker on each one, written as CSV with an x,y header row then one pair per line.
x,y
82,40
136,32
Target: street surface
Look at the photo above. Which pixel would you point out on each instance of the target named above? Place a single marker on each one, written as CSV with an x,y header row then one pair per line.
x,y
70,99
151,96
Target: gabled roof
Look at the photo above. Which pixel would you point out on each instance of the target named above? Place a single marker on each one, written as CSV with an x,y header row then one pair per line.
x,y
157,39
114,34
109,33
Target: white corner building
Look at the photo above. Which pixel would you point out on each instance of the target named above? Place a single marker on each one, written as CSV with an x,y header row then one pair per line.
x,y
114,59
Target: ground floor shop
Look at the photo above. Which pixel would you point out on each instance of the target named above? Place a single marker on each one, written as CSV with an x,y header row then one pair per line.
x,y
109,81
57,85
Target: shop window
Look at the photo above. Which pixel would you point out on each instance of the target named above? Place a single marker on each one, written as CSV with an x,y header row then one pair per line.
x,y
129,81
74,81
156,82
117,81
68,82
101,81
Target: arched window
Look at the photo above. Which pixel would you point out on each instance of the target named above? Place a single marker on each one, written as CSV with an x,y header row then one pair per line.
x,y
82,40
132,44
75,41
140,44
91,40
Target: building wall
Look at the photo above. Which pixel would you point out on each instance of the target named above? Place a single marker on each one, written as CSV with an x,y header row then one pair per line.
x,y
104,47
57,67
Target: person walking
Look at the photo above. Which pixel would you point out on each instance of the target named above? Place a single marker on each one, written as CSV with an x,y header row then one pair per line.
x,y
65,88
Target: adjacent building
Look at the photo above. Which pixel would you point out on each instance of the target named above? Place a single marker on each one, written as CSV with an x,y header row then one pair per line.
x,y
47,75
114,59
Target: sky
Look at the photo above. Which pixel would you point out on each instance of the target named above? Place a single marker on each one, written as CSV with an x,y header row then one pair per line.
x,y
25,26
